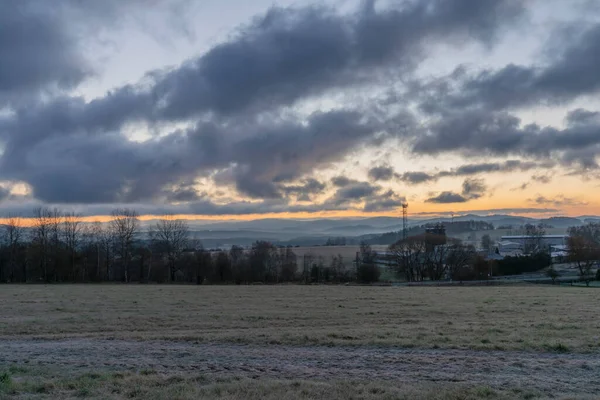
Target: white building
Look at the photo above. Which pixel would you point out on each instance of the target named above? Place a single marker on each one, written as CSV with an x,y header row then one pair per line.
x,y
512,245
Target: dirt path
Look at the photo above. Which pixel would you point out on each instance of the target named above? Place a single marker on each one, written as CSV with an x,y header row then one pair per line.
x,y
564,373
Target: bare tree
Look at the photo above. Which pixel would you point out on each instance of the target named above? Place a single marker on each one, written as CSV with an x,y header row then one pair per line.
x,y
204,265
410,257
236,254
93,236
584,253
486,242
124,226
289,264
223,266
534,242
106,246
41,238
459,258
72,237
55,223
367,270
13,235
170,237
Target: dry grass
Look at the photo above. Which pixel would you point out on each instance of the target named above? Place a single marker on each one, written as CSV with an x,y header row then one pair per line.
x,y
19,382
558,319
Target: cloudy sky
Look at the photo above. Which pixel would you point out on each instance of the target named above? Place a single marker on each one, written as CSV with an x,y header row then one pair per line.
x,y
235,108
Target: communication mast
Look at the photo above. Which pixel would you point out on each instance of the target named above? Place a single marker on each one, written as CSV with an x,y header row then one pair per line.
x,y
404,220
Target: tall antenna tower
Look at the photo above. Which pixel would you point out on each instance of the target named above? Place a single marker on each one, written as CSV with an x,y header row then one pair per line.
x,y
404,220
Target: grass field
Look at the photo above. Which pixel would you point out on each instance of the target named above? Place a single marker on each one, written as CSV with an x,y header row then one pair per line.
x,y
549,324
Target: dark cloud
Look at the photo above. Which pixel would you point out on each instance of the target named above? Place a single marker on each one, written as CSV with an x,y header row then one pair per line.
x,y
291,53
480,132
570,73
581,116
354,192
36,51
542,178
473,188
447,197
557,201
305,190
386,201
43,44
254,158
494,211
416,177
286,55
342,181
71,150
382,173
506,166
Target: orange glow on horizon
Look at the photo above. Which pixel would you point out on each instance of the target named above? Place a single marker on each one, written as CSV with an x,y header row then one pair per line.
x,y
422,212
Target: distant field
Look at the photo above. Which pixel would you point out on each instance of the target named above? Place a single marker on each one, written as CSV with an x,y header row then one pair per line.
x,y
348,252
128,341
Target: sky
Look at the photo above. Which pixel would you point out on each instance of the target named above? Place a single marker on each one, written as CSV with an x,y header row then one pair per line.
x,y
233,109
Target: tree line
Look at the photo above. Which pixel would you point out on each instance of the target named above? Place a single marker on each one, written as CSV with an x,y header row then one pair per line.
x,y
60,247
431,257
54,246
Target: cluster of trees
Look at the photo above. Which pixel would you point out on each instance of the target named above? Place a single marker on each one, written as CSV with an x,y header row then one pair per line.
x,y
58,246
434,257
584,250
54,246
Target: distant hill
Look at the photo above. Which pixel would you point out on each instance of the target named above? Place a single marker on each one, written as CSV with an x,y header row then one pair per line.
x,y
376,230
561,222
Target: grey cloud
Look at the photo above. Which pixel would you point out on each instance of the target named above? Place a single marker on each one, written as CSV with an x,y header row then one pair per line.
x,y
480,132
286,151
518,210
36,50
473,188
354,192
110,168
542,178
416,177
386,201
73,151
202,206
43,44
290,53
506,166
581,116
283,56
184,192
571,73
557,201
305,190
446,198
382,173
342,181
